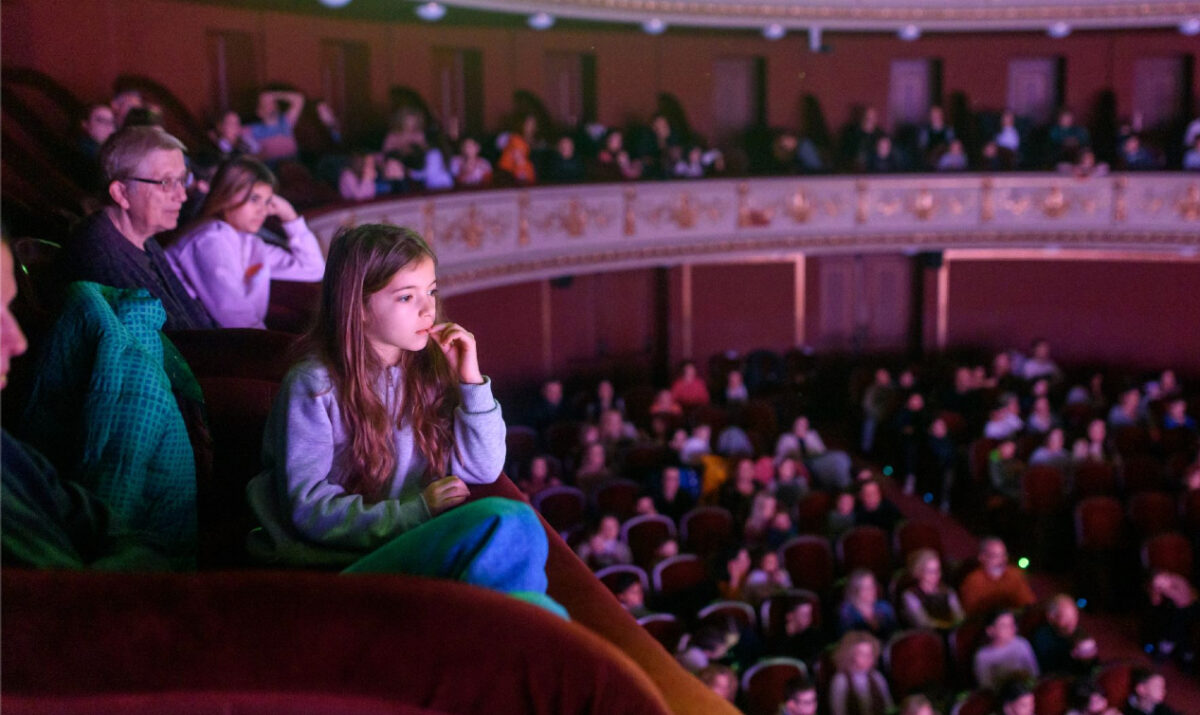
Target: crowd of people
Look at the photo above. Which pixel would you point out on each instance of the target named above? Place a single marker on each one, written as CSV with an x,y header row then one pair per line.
x,y
698,444
419,151
388,418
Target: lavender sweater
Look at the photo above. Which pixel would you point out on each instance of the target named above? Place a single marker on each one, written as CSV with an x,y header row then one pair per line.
x,y
230,272
307,517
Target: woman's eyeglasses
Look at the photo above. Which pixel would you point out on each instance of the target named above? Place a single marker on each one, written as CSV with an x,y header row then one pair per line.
x,y
168,184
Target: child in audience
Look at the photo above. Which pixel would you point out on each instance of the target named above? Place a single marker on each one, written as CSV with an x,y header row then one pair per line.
x,y
929,602
221,260
800,697
768,578
858,687
802,639
376,434
603,546
357,180
863,610
709,644
540,476
721,679
628,589
841,518
762,510
689,389
1006,653
469,168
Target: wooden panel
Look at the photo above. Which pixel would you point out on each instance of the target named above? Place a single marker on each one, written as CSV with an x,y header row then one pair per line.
x,y
564,86
1033,90
1158,90
909,92
742,307
836,304
734,95
233,70
346,81
888,287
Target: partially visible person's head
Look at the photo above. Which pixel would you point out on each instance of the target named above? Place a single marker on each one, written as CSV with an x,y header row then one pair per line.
x,y
1001,627
1016,698
628,589
856,652
993,557
1063,614
1088,699
552,391
925,566
870,494
721,680
12,340
99,123
800,697
916,705
861,587
123,101
1149,687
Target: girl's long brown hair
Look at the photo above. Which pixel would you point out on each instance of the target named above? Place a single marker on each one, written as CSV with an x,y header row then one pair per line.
x,y
232,184
362,260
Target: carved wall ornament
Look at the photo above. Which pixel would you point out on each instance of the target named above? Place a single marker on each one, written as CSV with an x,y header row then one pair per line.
x,y
1055,205
428,210
1189,205
472,227
683,211
924,205
749,215
573,218
1120,207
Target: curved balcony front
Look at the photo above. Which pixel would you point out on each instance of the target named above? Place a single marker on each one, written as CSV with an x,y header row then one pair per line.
x,y
492,238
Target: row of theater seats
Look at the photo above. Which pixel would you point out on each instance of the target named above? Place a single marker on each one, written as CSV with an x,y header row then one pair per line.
x,y
234,639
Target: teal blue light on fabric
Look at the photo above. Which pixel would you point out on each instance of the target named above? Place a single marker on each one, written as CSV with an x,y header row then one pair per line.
x,y
495,543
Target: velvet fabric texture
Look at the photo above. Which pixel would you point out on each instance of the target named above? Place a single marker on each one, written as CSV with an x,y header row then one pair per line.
x,y
423,643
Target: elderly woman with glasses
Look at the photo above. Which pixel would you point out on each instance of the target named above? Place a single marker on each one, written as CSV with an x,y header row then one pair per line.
x,y
225,264
145,182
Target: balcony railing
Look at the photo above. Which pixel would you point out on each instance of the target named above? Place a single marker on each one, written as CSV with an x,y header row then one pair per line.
x,y
491,238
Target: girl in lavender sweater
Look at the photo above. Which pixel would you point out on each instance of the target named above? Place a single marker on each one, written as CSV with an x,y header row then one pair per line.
x,y
374,437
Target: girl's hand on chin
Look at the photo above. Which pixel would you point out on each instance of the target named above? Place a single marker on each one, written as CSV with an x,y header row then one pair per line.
x,y
461,351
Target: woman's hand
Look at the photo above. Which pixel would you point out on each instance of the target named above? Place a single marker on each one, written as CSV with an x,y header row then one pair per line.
x,y
445,493
282,208
460,350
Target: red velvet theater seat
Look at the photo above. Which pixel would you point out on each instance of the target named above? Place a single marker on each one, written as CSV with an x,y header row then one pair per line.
x,y
283,642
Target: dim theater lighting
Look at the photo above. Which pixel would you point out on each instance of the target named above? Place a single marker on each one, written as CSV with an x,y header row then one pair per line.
x,y
541,21
1059,30
908,33
654,26
335,3
774,31
431,11
1190,27
887,470
1023,562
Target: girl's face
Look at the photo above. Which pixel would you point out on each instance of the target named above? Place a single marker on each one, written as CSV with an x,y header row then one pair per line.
x,y
470,149
931,572
249,216
539,469
400,315
866,591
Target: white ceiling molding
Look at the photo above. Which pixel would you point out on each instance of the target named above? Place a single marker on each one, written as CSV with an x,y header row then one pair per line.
x,y
864,15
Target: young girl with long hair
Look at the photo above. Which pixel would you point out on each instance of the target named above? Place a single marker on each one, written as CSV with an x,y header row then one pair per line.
x,y
221,260
377,433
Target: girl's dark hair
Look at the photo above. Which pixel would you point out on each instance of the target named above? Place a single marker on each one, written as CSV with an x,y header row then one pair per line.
x,y
362,260
232,185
